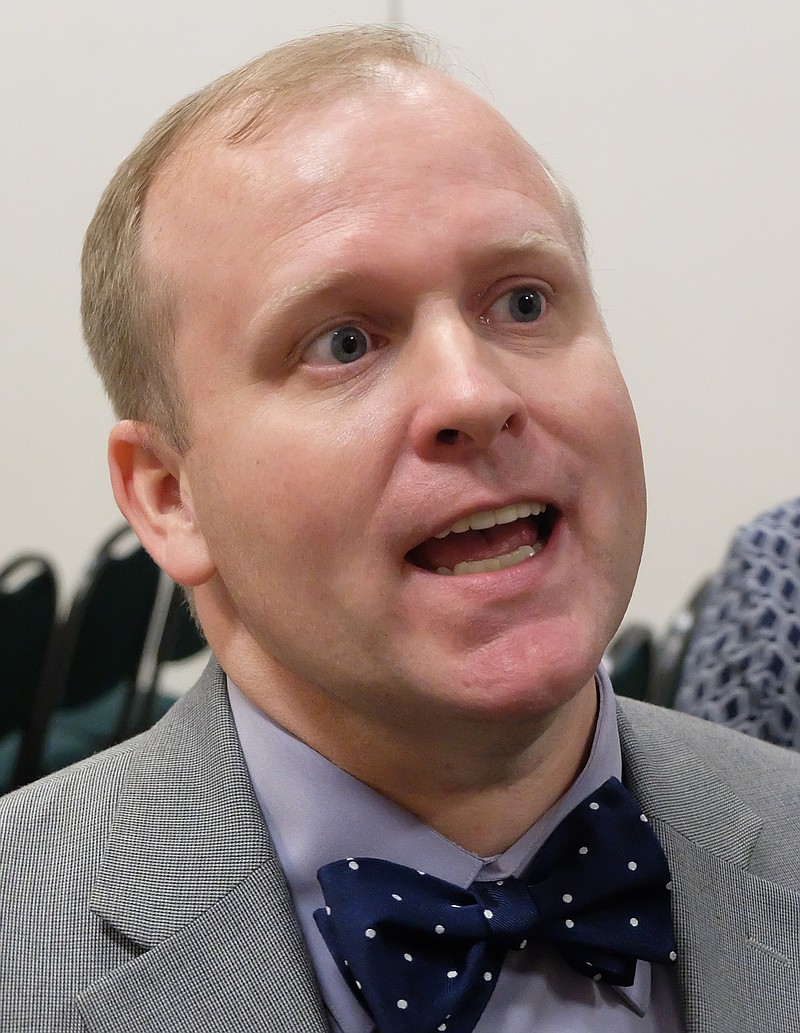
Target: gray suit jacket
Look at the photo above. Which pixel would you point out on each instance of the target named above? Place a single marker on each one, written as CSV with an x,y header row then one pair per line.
x,y
139,891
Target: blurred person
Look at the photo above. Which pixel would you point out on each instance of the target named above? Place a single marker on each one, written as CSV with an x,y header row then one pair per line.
x,y
742,668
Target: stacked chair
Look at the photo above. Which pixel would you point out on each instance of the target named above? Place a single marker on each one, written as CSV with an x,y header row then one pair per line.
x,y
630,660
98,677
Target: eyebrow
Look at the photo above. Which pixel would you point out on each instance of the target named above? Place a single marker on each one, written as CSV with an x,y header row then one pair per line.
x,y
295,294
531,243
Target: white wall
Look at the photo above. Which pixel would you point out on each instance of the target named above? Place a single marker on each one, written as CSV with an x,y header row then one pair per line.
x,y
676,124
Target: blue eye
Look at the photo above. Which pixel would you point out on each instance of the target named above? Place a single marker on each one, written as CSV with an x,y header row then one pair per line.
x,y
525,305
348,343
340,346
522,305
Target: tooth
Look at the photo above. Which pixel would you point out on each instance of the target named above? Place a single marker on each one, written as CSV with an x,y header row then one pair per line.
x,y
482,520
510,559
508,514
504,515
443,570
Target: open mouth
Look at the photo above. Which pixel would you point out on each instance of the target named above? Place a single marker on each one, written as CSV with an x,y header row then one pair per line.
x,y
491,540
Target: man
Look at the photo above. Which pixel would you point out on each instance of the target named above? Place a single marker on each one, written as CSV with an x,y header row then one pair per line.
x,y
371,419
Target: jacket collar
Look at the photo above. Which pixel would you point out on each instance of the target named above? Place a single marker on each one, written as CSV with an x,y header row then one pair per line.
x,y
191,886
739,961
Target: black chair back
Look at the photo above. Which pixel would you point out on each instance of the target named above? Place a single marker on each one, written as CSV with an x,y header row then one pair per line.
x,y
106,627
99,644
629,660
173,635
28,600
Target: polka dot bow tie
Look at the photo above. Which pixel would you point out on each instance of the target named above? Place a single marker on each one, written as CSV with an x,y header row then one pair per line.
x,y
422,955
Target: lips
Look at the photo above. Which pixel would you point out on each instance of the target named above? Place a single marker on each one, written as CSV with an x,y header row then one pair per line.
x,y
488,540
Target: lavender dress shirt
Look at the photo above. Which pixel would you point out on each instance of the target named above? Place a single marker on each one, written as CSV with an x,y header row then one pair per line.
x,y
317,813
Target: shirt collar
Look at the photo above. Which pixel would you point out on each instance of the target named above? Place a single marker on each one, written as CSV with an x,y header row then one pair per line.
x,y
343,817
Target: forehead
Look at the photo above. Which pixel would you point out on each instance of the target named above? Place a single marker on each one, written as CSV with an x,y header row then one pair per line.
x,y
398,186
382,140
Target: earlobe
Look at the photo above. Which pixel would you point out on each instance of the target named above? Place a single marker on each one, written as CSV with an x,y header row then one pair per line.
x,y
150,486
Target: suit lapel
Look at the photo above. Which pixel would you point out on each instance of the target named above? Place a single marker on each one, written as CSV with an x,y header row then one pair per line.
x,y
735,932
191,887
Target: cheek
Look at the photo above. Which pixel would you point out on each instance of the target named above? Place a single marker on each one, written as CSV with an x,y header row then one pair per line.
x,y
284,476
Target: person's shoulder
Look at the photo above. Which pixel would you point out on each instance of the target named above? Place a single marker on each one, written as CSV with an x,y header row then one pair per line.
x,y
782,520
753,768
74,804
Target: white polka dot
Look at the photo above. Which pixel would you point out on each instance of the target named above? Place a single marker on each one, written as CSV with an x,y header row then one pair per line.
x,y
402,1005
396,896
452,974
669,885
353,865
584,850
569,923
500,882
419,872
632,865
594,806
370,934
567,898
359,985
597,977
488,914
523,945
634,922
455,905
442,1028
487,977
642,817
408,957
673,956
327,910
347,963
439,929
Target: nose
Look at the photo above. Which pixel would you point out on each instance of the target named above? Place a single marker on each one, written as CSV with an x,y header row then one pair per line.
x,y
466,394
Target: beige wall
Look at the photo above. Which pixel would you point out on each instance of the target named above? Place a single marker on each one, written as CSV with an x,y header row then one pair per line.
x,y
675,123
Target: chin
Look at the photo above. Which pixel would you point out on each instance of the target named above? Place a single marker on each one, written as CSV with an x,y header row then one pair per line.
x,y
509,687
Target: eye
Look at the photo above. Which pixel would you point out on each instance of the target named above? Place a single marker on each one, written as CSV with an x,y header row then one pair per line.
x,y
340,346
522,305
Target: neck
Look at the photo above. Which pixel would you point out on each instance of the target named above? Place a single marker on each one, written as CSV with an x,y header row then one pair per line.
x,y
479,783
489,786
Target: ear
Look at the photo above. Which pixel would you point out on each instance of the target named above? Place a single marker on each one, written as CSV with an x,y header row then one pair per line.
x,y
152,490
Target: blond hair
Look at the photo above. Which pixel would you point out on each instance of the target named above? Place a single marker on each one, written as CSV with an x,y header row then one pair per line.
x,y
126,309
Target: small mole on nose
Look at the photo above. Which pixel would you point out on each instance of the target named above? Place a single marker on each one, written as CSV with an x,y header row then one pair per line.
x,y
447,436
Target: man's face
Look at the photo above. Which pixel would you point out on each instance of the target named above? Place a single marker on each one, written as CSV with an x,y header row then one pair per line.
x,y
385,329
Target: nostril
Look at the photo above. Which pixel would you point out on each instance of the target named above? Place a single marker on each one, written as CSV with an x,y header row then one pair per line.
x,y
447,436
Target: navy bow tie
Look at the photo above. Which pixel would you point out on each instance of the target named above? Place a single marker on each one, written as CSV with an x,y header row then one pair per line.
x,y
422,955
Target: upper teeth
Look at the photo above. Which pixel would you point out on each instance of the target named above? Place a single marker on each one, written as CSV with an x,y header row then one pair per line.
x,y
506,515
